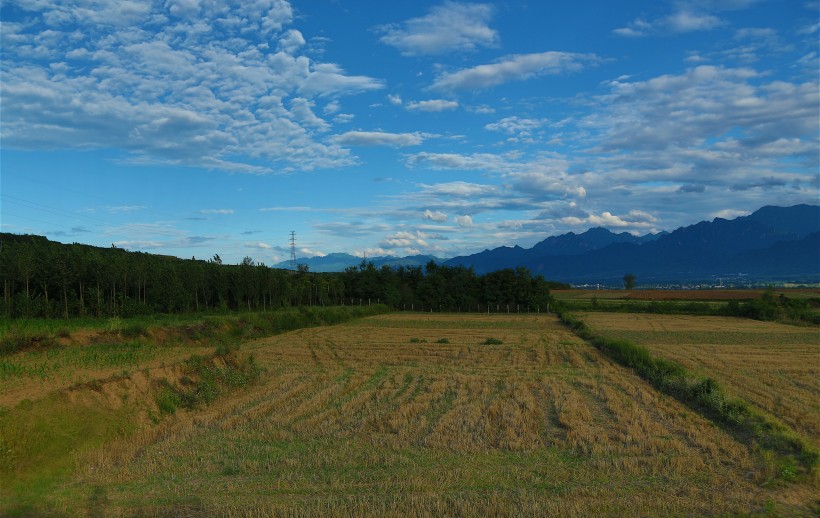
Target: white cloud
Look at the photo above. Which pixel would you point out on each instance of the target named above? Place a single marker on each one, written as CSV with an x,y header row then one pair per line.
x,y
464,221
729,213
688,21
706,102
379,138
260,246
395,100
515,67
308,252
291,41
302,112
516,125
475,162
433,105
177,83
460,189
638,219
216,211
451,27
329,79
435,216
689,16
405,239
125,208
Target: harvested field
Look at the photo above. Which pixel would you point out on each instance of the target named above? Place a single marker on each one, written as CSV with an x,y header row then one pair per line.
x,y
656,294
776,367
682,295
410,414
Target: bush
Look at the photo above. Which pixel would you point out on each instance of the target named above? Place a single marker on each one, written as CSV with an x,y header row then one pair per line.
x,y
167,399
492,341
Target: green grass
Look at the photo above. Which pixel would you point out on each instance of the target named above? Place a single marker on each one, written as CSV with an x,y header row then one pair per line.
x,y
39,442
62,361
21,334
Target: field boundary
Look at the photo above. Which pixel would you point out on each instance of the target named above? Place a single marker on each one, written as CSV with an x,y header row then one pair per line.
x,y
794,457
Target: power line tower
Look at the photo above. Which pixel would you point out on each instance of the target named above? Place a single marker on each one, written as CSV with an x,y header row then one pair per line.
x,y
293,250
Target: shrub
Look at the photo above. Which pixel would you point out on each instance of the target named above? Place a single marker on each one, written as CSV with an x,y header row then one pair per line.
x,y
492,341
167,399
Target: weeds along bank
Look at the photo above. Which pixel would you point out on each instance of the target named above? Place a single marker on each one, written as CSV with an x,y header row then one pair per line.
x,y
417,414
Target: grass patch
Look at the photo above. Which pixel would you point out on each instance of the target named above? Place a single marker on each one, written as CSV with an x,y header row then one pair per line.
x,y
39,442
492,341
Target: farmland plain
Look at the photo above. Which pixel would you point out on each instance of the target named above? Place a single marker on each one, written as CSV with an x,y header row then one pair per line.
x,y
773,366
429,414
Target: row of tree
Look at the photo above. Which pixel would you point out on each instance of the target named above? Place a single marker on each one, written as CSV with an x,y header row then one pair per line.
x,y
42,278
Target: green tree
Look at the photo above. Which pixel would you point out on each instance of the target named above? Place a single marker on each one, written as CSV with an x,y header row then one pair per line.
x,y
629,281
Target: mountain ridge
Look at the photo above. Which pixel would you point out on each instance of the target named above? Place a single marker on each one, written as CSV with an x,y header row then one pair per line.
x,y
770,242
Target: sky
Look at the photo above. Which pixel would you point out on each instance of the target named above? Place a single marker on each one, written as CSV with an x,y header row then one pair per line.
x,y
201,127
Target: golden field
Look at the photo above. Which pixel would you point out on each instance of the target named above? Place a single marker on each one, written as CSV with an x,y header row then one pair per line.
x,y
415,414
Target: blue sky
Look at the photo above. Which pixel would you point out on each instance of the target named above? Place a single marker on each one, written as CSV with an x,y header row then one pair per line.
x,y
199,127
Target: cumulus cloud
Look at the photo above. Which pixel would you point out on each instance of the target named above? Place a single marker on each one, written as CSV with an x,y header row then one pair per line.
x,y
451,27
433,105
379,138
177,82
464,221
517,67
435,215
635,219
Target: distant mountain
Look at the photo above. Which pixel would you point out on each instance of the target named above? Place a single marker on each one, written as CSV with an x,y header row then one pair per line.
x,y
771,242
338,262
563,245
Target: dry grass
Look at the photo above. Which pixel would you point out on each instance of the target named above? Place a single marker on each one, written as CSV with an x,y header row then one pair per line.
x,y
355,420
773,366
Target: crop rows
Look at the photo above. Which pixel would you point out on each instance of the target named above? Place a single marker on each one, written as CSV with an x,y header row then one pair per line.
x,y
377,416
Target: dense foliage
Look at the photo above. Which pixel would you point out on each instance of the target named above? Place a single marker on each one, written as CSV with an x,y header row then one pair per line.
x,y
42,278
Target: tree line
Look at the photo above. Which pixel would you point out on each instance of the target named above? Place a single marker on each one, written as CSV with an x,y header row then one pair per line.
x,y
43,278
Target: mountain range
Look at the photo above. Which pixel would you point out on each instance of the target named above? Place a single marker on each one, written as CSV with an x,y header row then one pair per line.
x,y
772,243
